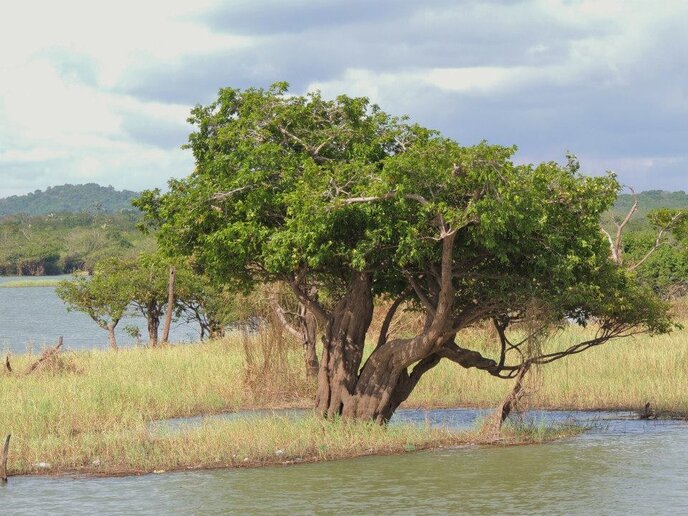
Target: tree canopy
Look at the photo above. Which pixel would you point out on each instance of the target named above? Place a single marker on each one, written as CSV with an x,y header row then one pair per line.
x,y
337,196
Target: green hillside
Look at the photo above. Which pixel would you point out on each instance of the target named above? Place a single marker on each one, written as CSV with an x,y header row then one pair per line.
x,y
651,200
69,198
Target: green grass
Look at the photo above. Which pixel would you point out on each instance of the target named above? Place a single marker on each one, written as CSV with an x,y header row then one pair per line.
x,y
30,283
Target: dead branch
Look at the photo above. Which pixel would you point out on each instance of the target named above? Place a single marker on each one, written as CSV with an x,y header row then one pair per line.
x,y
221,196
3,459
388,195
617,251
658,241
510,401
46,355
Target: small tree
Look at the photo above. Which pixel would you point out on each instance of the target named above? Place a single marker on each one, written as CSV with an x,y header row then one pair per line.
x,y
147,281
211,305
103,297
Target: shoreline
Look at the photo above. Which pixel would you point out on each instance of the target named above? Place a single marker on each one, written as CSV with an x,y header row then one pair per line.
x,y
98,405
450,440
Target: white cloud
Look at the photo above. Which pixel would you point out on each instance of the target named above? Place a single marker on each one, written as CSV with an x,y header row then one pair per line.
x,y
542,73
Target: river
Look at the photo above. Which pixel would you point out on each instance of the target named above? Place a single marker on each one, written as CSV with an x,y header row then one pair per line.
x,y
619,466
34,317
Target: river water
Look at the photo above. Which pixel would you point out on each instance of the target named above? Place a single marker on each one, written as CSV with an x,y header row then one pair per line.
x,y
619,466
34,317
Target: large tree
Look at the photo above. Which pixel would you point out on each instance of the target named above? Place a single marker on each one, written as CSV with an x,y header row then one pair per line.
x,y
337,196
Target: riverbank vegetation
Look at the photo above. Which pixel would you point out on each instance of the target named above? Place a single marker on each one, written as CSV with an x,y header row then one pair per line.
x,y
62,243
29,283
97,406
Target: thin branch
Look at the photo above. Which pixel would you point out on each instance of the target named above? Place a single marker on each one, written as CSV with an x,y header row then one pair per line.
x,y
388,195
421,296
221,196
384,329
281,316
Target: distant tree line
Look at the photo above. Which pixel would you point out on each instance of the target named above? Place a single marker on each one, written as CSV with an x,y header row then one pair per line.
x,y
67,242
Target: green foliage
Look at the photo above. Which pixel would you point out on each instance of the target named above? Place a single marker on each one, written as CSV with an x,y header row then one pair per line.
x,y
63,243
68,199
104,297
291,185
140,285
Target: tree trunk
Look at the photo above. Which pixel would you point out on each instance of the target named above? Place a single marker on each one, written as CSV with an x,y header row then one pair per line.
x,y
494,424
309,331
343,347
112,340
170,306
153,324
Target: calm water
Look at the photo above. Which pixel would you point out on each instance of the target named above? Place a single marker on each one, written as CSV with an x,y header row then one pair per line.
x,y
620,466
33,317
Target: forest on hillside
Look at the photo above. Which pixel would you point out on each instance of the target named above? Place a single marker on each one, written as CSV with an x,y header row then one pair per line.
x,y
67,242
89,197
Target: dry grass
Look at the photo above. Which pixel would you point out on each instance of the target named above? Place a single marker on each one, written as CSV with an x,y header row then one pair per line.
x,y
96,405
247,442
618,375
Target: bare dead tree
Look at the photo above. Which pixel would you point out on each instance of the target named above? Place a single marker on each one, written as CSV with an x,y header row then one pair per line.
x,y
616,242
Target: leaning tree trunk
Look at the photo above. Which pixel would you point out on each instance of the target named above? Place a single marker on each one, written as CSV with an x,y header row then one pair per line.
x,y
343,347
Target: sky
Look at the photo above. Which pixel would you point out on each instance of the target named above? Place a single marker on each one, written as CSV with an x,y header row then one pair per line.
x,y
95,91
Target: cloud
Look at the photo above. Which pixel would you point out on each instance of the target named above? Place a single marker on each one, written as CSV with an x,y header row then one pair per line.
x,y
103,90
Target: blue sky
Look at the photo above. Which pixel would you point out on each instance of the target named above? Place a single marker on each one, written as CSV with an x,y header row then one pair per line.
x,y
96,91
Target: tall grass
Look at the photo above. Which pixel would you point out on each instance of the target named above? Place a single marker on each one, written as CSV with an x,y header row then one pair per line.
x,y
623,374
96,405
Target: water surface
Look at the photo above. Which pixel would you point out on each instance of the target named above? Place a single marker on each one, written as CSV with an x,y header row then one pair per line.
x,y
34,317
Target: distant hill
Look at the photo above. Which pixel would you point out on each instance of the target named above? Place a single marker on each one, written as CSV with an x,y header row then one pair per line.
x,y
651,200
69,199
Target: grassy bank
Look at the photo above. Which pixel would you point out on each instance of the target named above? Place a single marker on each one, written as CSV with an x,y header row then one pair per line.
x,y
30,283
250,442
89,411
